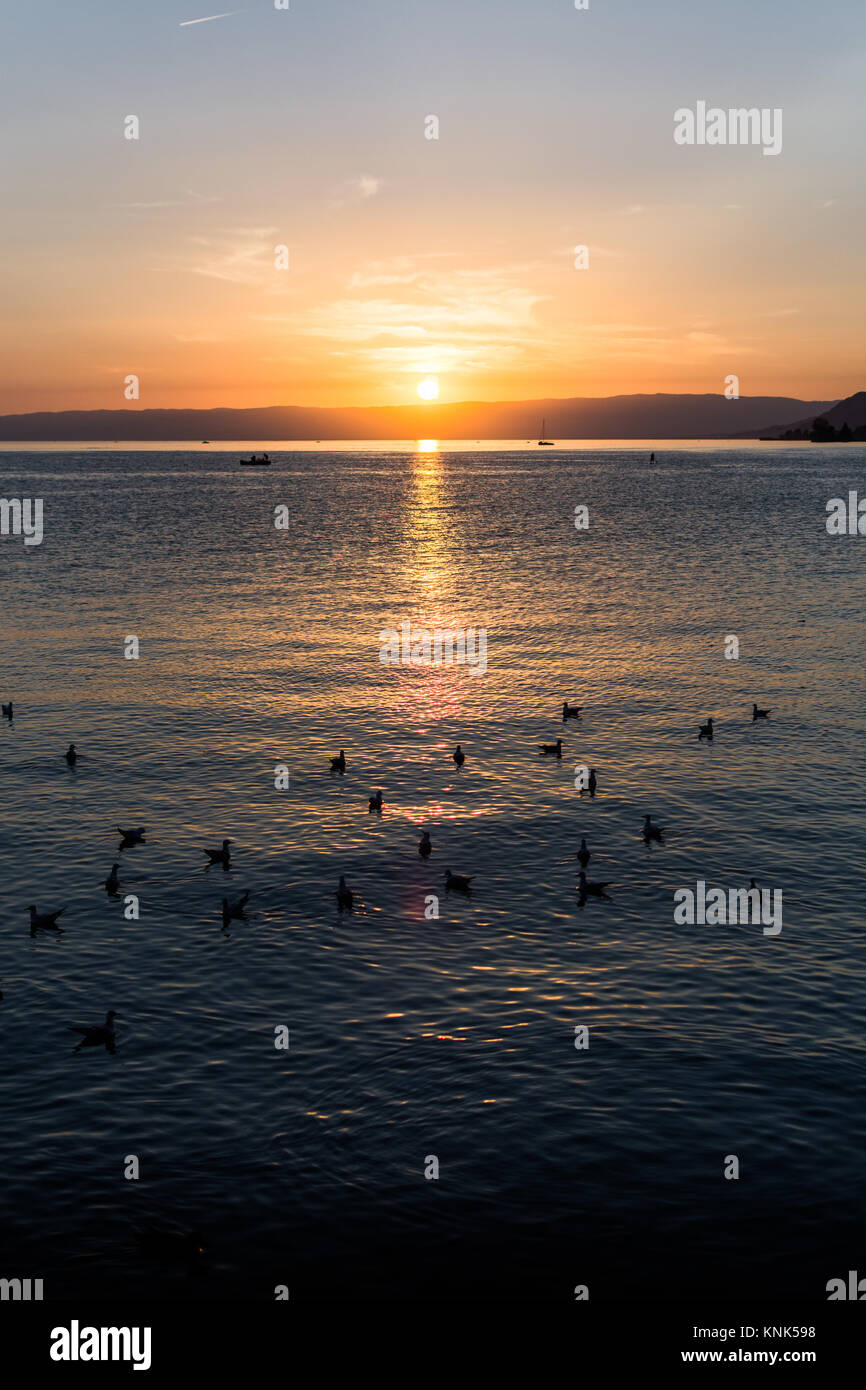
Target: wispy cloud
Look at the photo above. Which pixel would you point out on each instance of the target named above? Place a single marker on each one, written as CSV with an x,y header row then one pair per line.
x,y
206,19
238,255
461,319
357,190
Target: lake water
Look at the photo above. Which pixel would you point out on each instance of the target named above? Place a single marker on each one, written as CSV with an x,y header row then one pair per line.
x,y
411,1036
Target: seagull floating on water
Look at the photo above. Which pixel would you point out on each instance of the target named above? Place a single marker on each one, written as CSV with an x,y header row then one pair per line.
x,y
339,764
345,896
652,832
44,921
706,730
459,756
583,853
460,882
112,883
71,755
570,711
96,1034
234,911
554,748
425,846
128,838
219,856
760,713
375,802
588,889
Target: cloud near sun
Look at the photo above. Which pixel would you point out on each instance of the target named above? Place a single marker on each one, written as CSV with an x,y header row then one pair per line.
x,y
453,319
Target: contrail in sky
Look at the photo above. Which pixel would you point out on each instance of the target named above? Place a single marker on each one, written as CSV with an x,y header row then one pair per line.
x,y
207,18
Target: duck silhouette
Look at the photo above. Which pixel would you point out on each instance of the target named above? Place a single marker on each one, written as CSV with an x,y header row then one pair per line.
x,y
375,803
590,889
461,883
345,896
651,831
592,783
128,838
459,756
425,845
219,856
339,764
583,853
96,1034
71,755
706,730
760,713
8,711
570,711
44,921
233,911
554,749
112,883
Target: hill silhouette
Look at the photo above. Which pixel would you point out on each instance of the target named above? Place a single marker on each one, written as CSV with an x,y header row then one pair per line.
x,y
659,416
843,422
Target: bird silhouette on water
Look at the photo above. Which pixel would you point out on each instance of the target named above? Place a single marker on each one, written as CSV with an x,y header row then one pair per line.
x,y
71,755
589,889
760,713
592,783
219,856
339,764
96,1034
461,883
425,845
44,921
706,730
554,749
570,711
8,711
112,883
652,831
459,756
128,838
234,911
345,896
583,853
375,803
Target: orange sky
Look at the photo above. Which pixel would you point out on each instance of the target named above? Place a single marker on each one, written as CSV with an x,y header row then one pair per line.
x,y
411,257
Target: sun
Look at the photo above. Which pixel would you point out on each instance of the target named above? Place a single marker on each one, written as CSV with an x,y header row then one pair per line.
x,y
428,389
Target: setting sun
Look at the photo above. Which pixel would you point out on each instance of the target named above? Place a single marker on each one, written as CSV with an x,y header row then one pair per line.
x,y
428,389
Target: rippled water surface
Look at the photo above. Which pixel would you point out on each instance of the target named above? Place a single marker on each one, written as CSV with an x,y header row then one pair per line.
x,y
413,1037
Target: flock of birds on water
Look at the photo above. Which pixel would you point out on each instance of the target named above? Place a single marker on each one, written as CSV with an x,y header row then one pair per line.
x,y
103,1035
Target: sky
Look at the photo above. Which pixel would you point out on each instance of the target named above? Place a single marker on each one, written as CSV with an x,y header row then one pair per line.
x,y
451,259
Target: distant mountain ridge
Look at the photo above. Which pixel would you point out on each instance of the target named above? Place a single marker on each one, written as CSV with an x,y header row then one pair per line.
x,y
846,417
658,416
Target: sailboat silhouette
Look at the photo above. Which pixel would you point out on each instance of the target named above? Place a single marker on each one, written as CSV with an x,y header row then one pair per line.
x,y
542,440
